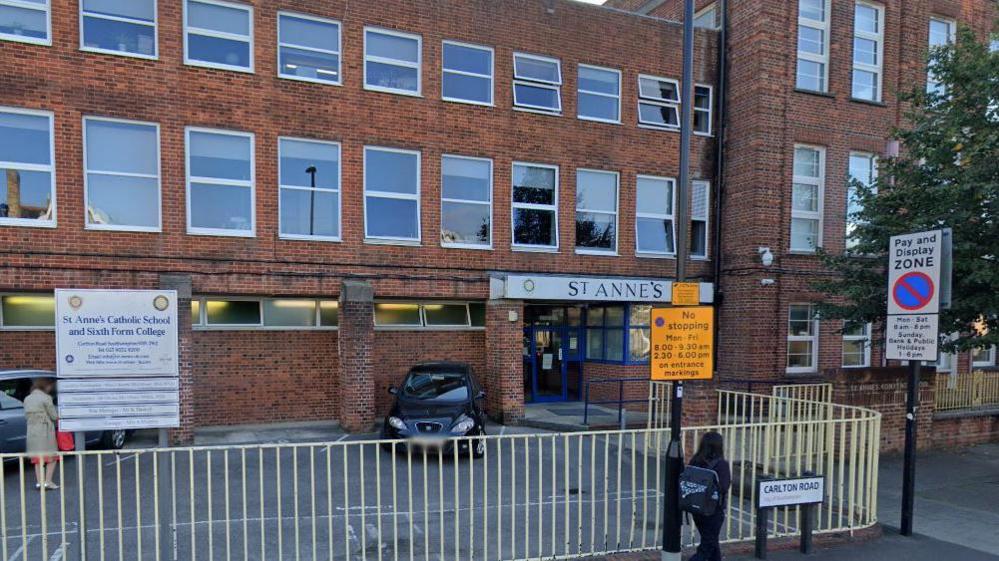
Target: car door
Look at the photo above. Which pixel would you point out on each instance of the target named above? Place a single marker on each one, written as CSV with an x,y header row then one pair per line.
x,y
13,426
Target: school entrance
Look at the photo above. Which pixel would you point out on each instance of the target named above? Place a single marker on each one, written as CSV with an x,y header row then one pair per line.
x,y
553,357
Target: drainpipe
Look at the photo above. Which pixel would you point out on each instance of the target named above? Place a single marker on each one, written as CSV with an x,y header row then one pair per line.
x,y
720,161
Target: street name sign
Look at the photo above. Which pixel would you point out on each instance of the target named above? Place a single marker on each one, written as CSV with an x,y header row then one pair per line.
x,y
682,341
789,492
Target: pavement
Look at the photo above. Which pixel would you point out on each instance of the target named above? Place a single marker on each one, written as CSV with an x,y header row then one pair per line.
x,y
569,416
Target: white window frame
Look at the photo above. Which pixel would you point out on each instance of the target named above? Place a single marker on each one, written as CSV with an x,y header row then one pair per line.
x,y
543,84
418,65
946,362
864,338
251,184
658,101
423,325
820,183
706,219
709,110
444,199
616,213
873,158
824,26
989,362
393,240
879,40
813,339
338,52
338,191
47,8
158,177
646,213
951,37
202,320
5,327
617,97
220,35
490,76
50,168
530,206
155,25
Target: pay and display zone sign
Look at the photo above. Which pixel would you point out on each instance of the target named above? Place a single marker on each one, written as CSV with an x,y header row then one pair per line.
x,y
914,273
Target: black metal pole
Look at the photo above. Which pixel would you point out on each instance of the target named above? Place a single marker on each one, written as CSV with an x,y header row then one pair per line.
x,y
311,170
909,471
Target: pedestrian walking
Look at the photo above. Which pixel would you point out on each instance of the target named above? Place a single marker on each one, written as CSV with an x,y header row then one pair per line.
x,y
711,456
40,413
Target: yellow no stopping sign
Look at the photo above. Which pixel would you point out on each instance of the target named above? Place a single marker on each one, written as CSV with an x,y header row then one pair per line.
x,y
682,343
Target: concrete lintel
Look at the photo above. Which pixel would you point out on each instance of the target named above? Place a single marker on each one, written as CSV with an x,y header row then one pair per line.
x,y
357,291
179,282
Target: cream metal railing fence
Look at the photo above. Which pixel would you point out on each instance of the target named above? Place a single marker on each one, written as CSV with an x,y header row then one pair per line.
x,y
809,392
968,390
534,496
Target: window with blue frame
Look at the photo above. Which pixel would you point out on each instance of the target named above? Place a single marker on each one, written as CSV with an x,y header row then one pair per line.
x,y
618,333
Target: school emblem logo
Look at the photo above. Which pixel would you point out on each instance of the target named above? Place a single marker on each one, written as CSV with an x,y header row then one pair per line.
x,y
75,302
161,303
529,285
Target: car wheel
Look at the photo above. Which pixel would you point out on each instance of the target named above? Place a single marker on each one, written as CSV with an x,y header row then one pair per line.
x,y
114,439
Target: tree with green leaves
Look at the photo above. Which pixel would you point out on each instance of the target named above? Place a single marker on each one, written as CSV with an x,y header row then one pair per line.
x,y
945,176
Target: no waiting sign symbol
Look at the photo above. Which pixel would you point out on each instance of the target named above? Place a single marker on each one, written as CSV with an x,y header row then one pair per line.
x,y
913,291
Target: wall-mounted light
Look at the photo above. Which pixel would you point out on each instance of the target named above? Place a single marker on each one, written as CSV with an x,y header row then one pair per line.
x,y
766,256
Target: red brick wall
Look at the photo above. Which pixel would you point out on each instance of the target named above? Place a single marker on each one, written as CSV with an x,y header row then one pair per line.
x,y
957,432
27,349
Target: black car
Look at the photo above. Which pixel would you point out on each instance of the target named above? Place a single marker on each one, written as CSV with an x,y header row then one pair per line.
x,y
436,402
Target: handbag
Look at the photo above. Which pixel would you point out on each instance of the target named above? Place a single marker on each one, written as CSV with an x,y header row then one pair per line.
x,y
65,442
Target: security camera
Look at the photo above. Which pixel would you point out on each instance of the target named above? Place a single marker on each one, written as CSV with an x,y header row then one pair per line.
x,y
766,256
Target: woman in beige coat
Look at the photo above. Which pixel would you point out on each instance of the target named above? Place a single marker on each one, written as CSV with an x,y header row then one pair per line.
x,y
40,412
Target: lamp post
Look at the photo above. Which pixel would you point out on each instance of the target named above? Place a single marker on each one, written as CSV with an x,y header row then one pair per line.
x,y
311,170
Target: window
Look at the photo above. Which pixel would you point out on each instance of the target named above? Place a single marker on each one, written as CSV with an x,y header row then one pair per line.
x,y
708,17
264,313
220,183
537,83
813,45
119,27
596,211
806,198
983,357
535,206
468,73
121,174
218,35
392,61
654,228
466,202
700,207
946,361
309,176
802,339
702,109
599,94
658,102
391,194
856,345
430,315
868,49
27,173
618,334
309,49
942,33
27,21
864,170
27,311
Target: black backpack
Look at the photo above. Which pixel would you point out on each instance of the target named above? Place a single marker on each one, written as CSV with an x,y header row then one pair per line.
x,y
699,491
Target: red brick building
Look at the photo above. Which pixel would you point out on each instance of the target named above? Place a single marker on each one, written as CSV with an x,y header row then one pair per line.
x,y
344,189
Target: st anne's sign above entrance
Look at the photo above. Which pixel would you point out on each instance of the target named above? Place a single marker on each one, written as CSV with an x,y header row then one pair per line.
x,y
588,289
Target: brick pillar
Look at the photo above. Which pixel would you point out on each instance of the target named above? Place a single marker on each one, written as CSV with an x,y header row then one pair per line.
x,y
182,284
355,341
504,377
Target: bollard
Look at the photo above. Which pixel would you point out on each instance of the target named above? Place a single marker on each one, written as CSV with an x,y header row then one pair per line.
x,y
761,533
806,517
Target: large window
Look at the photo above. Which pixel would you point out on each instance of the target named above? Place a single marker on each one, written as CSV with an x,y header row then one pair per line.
x,y
806,198
430,315
599,96
535,206
466,202
392,61
391,195
309,174
618,334
537,83
942,32
654,227
596,211
218,34
23,312
868,50
209,312
468,73
27,173
120,27
700,208
856,345
27,21
983,357
658,102
220,183
863,170
702,109
121,174
813,45
802,339
309,48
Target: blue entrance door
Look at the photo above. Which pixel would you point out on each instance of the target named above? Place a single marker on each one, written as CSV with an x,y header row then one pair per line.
x,y
552,368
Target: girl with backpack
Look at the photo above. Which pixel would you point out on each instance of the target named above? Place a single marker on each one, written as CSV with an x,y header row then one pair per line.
x,y
711,456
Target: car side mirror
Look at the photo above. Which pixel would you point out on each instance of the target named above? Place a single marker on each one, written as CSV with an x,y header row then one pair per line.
x,y
480,395
393,390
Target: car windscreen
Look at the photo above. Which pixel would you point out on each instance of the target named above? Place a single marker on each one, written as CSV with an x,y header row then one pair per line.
x,y
436,386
